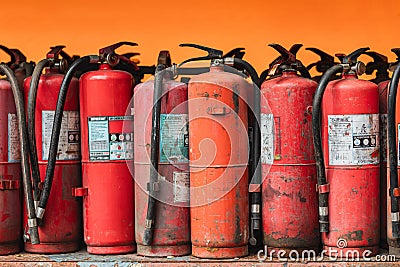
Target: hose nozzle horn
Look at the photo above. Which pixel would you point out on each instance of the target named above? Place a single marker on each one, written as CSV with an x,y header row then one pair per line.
x,y
108,55
212,53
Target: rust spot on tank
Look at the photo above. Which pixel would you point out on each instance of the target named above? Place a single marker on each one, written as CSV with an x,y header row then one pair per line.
x,y
212,249
301,197
216,95
354,190
355,235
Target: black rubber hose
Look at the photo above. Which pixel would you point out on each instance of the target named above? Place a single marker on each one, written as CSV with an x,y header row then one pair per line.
x,y
263,76
23,137
319,157
55,133
392,146
154,155
255,168
304,72
37,72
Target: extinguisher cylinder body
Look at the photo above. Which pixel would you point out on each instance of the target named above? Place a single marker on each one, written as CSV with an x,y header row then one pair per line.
x,y
10,173
290,203
171,235
350,141
60,231
107,152
218,152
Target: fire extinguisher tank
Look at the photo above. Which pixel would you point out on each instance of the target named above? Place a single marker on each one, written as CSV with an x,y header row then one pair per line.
x,y
218,151
10,173
350,138
60,231
290,204
171,230
107,150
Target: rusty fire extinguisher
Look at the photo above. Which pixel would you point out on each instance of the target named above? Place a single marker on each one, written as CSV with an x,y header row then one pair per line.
x,y
14,164
349,148
59,227
161,164
218,153
107,152
393,122
325,63
290,205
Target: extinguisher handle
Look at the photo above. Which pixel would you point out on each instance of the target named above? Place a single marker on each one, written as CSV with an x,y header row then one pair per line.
x,y
286,54
111,48
131,54
19,56
236,52
397,52
353,56
212,53
393,65
10,53
323,55
380,63
340,56
55,52
325,63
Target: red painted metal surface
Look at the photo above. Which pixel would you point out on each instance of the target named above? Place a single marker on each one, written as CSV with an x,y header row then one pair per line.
x,y
60,231
108,207
383,94
171,230
290,205
10,172
218,151
354,188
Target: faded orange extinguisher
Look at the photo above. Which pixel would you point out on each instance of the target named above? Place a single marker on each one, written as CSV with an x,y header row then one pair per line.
x,y
345,120
218,153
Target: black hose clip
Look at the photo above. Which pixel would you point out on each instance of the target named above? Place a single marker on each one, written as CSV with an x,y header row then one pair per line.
x,y
108,55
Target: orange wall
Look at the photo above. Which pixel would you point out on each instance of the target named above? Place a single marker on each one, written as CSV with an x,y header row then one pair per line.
x,y
86,25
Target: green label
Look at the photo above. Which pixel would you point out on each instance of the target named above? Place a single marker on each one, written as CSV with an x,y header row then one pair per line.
x,y
174,138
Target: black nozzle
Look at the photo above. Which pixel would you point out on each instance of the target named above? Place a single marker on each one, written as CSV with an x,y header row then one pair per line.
x,y
212,53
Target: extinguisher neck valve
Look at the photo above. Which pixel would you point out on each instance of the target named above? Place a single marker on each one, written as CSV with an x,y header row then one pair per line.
x,y
229,61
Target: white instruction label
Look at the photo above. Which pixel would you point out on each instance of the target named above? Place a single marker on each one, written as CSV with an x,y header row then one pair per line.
x,y
353,139
181,187
383,136
69,142
107,140
14,148
267,138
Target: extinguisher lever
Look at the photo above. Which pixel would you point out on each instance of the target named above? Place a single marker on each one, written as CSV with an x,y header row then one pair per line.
x,y
111,48
286,55
392,66
10,53
353,56
55,52
19,57
325,63
131,54
236,52
379,63
212,53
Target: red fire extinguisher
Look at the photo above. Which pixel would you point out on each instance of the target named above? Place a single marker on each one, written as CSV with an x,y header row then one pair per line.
x,y
327,61
381,65
59,229
161,150
14,163
107,152
349,148
289,206
393,121
218,152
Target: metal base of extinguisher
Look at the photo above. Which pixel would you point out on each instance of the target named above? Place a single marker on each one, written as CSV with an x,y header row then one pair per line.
x,y
52,248
394,251
115,250
9,248
220,253
349,252
163,251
